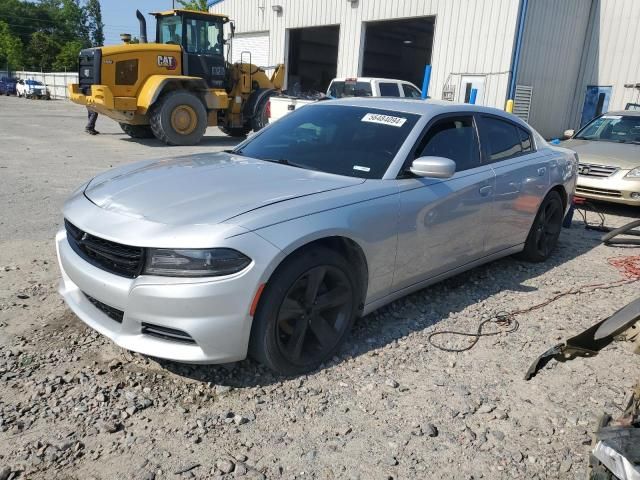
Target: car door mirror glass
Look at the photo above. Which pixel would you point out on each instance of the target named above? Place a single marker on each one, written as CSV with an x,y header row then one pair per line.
x,y
434,167
568,134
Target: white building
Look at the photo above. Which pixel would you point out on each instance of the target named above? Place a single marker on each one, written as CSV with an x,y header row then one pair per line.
x,y
562,60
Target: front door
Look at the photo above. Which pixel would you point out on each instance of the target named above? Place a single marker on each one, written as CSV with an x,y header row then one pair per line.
x,y
596,102
204,50
443,223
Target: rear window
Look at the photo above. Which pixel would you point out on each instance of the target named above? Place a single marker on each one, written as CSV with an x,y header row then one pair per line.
x,y
503,137
345,140
388,89
350,89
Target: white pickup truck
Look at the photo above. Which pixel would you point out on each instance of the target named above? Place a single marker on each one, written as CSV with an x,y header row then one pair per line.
x,y
345,87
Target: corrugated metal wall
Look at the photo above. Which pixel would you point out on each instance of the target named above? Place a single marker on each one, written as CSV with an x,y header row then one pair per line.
x,y
471,36
612,54
550,60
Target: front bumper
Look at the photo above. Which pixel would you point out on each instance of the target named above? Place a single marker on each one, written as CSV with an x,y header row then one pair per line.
x,y
214,313
615,188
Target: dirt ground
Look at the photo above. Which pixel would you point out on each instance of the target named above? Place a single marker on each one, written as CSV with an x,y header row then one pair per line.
x,y
390,405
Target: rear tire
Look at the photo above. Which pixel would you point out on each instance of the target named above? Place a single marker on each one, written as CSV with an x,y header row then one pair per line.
x,y
305,312
544,233
260,119
235,132
179,118
137,131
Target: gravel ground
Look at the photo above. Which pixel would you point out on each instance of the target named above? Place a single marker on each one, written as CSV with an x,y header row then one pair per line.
x,y
390,405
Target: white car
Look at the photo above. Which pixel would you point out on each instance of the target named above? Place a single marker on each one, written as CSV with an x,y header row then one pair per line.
x,y
32,89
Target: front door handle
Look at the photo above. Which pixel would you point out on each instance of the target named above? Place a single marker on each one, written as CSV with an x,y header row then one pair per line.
x,y
542,171
486,190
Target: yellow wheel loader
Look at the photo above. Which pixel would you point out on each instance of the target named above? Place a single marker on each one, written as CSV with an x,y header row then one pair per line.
x,y
174,88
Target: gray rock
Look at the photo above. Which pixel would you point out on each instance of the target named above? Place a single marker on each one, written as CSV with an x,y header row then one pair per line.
x,y
186,468
390,382
240,420
431,430
225,465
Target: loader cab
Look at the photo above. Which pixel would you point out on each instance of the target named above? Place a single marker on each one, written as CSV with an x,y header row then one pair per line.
x,y
201,37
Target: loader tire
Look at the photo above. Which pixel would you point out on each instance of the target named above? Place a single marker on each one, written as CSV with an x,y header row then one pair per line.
x,y
179,118
235,132
137,131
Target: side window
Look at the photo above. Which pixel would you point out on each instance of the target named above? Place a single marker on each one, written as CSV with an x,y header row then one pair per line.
x,y
502,137
525,140
410,91
388,89
454,138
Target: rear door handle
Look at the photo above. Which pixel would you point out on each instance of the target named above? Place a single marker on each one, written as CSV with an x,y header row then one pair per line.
x,y
486,190
542,171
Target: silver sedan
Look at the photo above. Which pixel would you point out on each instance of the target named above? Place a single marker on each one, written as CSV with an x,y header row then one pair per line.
x,y
274,248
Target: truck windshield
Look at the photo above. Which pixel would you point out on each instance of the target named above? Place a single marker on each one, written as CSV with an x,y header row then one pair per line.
x,y
340,139
612,128
339,89
170,30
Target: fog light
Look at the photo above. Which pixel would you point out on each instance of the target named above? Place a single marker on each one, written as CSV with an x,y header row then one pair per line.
x,y
635,195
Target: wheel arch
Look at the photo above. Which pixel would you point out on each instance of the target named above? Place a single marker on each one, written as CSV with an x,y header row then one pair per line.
x,y
343,244
564,196
156,85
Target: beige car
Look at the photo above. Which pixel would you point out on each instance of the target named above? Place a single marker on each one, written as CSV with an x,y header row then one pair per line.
x,y
609,152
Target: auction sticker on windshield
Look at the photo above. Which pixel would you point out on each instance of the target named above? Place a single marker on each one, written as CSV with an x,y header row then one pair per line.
x,y
384,119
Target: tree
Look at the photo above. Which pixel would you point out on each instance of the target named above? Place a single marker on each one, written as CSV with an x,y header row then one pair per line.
x,y
10,48
194,5
94,22
42,51
67,59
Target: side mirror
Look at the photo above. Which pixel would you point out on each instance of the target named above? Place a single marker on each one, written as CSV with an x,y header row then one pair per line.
x,y
434,167
232,27
568,134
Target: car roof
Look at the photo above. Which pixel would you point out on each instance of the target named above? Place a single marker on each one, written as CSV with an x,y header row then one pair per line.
x,y
420,107
626,113
369,79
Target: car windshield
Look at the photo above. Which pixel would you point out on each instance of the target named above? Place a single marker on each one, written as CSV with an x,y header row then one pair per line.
x,y
612,128
33,82
345,140
339,89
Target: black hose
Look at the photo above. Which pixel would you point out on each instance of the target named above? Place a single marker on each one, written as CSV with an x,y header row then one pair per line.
x,y
609,238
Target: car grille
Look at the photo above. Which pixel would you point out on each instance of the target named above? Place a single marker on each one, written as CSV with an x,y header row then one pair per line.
x,y
591,170
89,62
113,257
598,191
112,313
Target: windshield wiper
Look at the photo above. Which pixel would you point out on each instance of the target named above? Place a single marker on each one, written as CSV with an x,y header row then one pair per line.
x,y
234,152
284,161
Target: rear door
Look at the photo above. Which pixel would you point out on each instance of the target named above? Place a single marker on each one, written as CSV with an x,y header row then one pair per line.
x,y
522,179
443,223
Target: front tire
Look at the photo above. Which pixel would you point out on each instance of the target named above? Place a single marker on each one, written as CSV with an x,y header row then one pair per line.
x,y
137,131
179,118
305,313
234,132
544,233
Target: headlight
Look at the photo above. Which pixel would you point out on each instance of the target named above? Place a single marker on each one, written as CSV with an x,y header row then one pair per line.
x,y
635,173
211,262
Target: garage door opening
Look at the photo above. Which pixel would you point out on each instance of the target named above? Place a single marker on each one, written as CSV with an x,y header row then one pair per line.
x,y
398,48
313,58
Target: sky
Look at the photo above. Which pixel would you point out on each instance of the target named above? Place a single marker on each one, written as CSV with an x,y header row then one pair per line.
x,y
119,16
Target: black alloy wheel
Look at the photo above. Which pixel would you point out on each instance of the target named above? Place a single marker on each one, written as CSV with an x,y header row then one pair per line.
x,y
544,233
314,315
305,312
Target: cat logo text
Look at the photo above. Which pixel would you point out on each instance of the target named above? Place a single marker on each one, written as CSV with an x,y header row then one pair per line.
x,y
167,62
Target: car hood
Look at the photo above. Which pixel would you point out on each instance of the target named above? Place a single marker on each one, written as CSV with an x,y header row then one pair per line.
x,y
621,155
205,188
